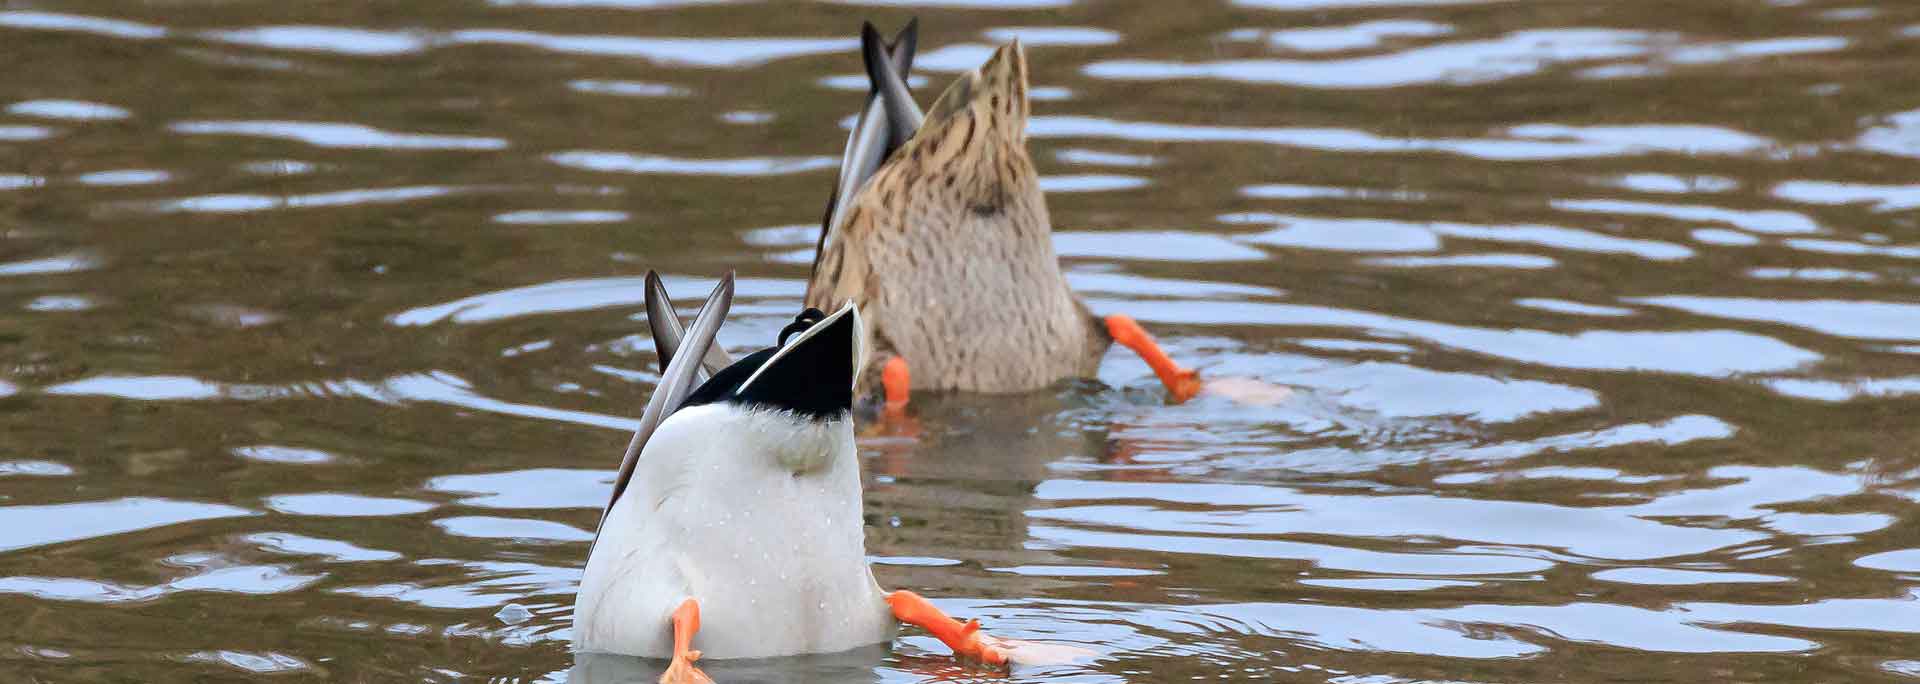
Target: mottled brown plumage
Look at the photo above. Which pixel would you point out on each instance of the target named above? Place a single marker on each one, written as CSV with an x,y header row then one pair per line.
x,y
948,251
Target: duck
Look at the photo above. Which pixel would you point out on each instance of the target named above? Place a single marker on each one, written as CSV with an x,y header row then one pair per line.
x,y
735,522
938,231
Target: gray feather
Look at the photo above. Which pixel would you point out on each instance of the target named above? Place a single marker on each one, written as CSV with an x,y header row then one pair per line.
x,y
676,382
667,332
889,118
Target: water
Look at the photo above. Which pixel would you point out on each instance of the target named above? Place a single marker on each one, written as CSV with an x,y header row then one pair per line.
x,y
1603,321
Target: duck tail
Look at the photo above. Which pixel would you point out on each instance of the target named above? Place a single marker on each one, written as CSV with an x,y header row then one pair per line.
x,y
889,118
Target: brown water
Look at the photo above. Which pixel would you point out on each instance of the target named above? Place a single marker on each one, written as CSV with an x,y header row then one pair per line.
x,y
1603,319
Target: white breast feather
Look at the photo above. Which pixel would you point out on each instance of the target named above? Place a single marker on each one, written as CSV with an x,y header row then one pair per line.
x,y
756,515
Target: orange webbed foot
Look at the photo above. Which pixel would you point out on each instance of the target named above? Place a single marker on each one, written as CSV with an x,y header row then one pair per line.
x,y
963,637
682,671
1182,383
686,621
897,381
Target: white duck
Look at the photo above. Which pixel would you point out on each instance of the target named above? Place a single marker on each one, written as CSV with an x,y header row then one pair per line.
x,y
738,508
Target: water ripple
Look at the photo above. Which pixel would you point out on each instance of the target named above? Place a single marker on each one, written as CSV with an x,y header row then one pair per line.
x,y
341,135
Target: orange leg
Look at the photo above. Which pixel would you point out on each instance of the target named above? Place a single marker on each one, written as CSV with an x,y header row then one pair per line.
x,y
686,621
962,637
1182,383
898,383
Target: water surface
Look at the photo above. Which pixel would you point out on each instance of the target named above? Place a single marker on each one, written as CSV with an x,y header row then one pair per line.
x,y
1602,321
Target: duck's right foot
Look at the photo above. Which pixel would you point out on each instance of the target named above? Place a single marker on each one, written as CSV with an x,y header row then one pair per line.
x,y
1182,383
686,621
963,637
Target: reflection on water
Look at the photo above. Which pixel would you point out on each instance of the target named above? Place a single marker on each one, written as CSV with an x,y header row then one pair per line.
x,y
1600,329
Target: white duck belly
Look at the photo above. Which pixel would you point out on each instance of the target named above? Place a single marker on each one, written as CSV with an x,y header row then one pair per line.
x,y
771,548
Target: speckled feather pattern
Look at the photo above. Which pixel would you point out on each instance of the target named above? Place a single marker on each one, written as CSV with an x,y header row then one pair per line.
x,y
948,251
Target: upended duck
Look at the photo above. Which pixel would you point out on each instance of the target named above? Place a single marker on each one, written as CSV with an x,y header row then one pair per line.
x,y
938,231
735,521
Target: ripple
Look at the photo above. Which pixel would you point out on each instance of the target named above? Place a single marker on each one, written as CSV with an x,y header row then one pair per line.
x,y
1676,577
1841,318
1602,532
238,204
1295,5
119,177
639,88
556,217
66,263
1116,283
620,4
337,135
1526,142
329,504
695,52
1091,182
1321,555
20,133
1388,584
1771,222
244,579
1709,353
140,387
1723,237
621,162
1899,136
1883,198
24,527
1768,47
338,40
445,388
1666,183
1381,235
1813,275
518,529
79,23
257,663
77,590
49,303
1099,158
492,584
533,488
286,543
1039,36
1300,192
1354,346
1398,391
15,181
1573,308
71,110
273,453
1904,560
1846,390
796,235
1152,246
962,4
579,295
1367,34
34,468
1854,248
1516,261
1521,53
746,117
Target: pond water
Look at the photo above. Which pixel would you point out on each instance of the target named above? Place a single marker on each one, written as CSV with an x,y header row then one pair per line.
x,y
1602,321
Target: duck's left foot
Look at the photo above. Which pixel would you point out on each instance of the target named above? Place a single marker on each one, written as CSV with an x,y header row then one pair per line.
x,y
686,621
1182,383
963,637
897,382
